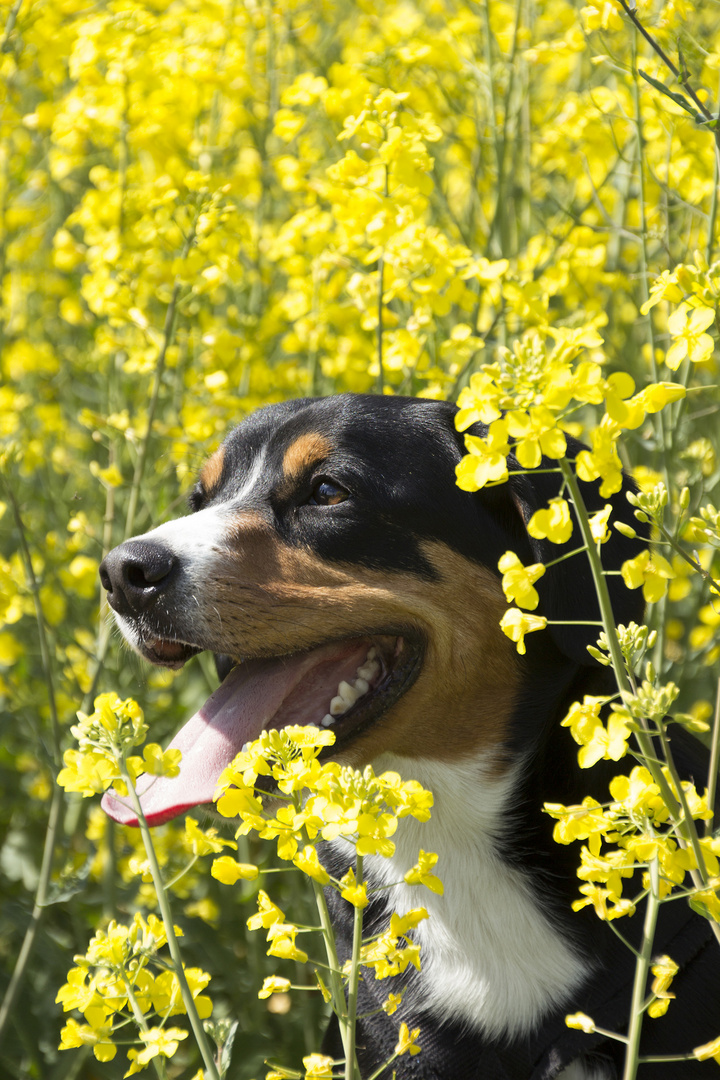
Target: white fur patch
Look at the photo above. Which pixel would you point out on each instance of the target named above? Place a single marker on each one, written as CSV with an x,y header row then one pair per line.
x,y
490,958
199,538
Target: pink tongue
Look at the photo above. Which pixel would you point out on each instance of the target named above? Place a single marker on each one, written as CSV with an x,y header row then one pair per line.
x,y
241,707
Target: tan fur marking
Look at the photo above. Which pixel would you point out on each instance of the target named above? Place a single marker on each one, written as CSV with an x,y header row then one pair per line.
x,y
272,599
212,469
304,453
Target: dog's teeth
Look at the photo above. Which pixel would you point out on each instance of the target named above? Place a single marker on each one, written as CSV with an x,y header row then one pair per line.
x,y
362,686
327,720
348,693
368,671
244,748
372,653
338,706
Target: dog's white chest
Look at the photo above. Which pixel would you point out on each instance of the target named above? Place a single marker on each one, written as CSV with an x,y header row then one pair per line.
x,y
490,958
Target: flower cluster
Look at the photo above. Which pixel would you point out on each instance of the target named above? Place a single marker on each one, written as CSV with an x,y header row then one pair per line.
x,y
123,977
104,737
310,801
527,397
342,802
636,827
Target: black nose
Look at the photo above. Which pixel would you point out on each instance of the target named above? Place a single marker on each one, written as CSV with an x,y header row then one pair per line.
x,y
135,573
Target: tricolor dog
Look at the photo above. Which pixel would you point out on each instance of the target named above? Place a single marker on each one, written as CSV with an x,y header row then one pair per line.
x,y
329,545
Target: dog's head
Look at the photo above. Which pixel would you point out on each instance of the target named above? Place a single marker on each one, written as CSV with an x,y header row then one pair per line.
x,y
342,578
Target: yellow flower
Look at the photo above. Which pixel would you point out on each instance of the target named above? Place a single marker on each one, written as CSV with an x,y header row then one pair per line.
x,y
515,624
309,863
664,969
537,433
486,460
203,843
595,740
555,523
274,984
89,772
652,572
687,326
354,893
598,524
267,915
708,1050
419,874
159,1042
318,1067
518,580
161,763
75,1035
406,1041
391,1004
602,460
282,943
229,871
581,1022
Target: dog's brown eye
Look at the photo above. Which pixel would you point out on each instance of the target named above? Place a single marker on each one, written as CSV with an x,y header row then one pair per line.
x,y
327,493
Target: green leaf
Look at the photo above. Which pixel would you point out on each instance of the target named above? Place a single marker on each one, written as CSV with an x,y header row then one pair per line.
x,y
679,99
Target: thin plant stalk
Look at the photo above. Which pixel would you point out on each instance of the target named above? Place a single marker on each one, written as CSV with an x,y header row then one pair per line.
x,y
714,762
211,1071
168,335
336,984
642,966
352,998
54,817
677,808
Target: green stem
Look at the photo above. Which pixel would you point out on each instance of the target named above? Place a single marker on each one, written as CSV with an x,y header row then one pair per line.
x,y
608,619
168,334
381,378
142,1023
336,984
642,966
53,826
683,824
381,288
164,905
714,761
351,1072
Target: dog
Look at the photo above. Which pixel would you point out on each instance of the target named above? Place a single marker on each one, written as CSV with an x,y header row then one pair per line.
x,y
329,543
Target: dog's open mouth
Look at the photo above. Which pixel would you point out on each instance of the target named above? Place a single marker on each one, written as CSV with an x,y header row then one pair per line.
x,y
346,685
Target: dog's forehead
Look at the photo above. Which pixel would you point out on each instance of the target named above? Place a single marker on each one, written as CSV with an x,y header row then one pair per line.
x,y
283,442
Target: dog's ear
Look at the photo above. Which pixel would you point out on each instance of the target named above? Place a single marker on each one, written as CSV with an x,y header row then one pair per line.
x,y
567,590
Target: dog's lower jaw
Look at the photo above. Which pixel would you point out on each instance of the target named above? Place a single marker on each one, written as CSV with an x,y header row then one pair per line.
x,y
491,959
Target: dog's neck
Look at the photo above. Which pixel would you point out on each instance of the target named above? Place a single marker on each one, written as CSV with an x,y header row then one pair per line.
x,y
491,957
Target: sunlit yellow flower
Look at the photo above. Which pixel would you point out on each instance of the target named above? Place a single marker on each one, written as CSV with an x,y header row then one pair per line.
x,y
555,523
406,1042
274,984
420,874
352,891
486,460
651,571
580,1022
318,1067
229,870
687,327
516,624
518,580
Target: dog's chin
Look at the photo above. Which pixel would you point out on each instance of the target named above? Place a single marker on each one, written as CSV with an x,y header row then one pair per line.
x,y
346,685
